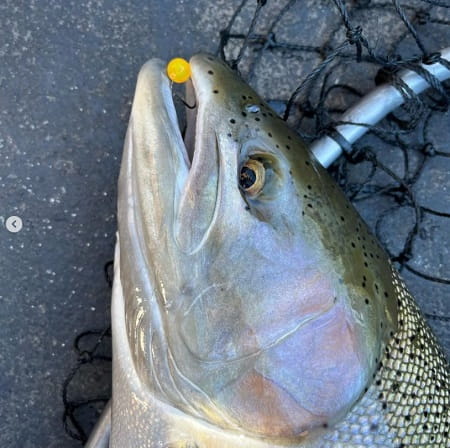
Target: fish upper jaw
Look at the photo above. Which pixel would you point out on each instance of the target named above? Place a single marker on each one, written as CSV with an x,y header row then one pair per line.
x,y
211,194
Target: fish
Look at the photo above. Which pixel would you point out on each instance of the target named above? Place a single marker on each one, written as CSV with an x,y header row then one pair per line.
x,y
252,306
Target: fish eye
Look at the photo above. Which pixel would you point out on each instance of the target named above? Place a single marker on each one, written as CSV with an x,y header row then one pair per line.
x,y
252,177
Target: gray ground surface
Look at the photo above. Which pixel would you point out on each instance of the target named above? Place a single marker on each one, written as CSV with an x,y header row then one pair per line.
x,y
67,76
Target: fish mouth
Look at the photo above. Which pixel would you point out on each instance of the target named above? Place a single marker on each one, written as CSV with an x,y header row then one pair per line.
x,y
188,116
187,121
175,179
185,103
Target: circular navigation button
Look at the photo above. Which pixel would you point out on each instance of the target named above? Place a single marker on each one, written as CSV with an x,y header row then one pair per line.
x,y
14,224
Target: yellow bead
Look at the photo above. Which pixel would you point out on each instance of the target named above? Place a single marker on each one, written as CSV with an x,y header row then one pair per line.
x,y
178,70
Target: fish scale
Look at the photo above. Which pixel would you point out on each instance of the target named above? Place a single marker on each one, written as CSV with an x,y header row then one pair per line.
x,y
408,403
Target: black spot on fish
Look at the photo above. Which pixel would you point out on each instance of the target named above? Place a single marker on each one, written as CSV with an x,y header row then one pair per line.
x,y
210,72
232,120
244,114
257,119
215,91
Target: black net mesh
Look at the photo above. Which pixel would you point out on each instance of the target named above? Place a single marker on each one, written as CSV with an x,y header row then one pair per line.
x,y
91,372
312,60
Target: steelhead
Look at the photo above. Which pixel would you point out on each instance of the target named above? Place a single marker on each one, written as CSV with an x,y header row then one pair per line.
x,y
252,307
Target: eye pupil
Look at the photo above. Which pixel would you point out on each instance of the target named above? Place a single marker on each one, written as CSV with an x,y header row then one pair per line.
x,y
252,177
247,177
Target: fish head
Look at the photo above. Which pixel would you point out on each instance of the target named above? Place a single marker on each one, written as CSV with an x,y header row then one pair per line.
x,y
256,297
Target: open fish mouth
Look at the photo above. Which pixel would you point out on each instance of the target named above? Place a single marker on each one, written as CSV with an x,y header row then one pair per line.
x,y
184,100
187,118
188,159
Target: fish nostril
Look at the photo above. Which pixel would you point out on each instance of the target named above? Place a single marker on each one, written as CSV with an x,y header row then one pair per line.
x,y
252,108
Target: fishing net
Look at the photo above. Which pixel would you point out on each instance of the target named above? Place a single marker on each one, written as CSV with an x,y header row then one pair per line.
x,y
312,60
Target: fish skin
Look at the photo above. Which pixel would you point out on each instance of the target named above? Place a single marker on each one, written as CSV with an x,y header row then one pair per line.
x,y
189,242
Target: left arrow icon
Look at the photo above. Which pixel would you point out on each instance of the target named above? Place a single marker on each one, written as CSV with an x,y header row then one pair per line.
x,y
14,224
